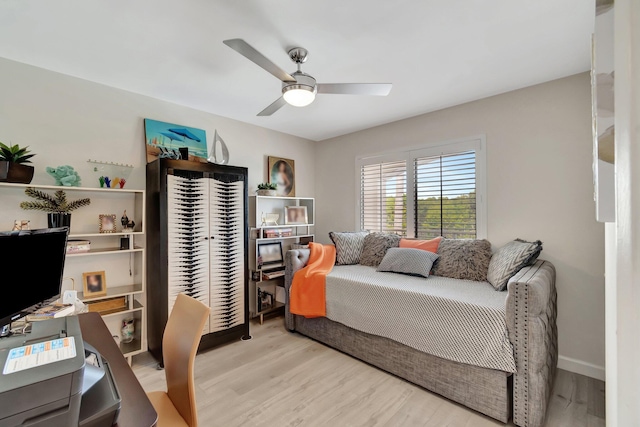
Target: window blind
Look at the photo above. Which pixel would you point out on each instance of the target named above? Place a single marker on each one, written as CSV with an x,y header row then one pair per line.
x,y
383,197
445,196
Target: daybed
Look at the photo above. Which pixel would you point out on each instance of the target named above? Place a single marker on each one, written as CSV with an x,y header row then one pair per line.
x,y
530,317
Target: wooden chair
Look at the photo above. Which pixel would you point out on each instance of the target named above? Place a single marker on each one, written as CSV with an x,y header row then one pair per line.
x,y
177,407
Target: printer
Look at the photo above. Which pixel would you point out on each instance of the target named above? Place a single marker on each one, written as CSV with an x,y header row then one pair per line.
x,y
50,377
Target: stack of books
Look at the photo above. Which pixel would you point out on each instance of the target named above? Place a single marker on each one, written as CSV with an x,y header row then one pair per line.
x,y
270,233
52,311
270,275
78,246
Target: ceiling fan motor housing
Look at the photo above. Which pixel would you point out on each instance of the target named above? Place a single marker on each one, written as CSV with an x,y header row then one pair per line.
x,y
303,81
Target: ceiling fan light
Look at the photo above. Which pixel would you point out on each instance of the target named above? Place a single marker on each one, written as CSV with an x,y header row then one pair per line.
x,y
299,95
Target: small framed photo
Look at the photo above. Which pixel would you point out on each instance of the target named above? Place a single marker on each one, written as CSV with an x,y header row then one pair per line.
x,y
108,223
295,215
94,284
270,253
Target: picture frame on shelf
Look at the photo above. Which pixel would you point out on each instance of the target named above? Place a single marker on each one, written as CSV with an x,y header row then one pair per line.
x,y
283,173
270,253
107,223
296,215
94,284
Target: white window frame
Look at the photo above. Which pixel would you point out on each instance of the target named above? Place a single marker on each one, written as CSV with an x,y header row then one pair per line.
x,y
475,143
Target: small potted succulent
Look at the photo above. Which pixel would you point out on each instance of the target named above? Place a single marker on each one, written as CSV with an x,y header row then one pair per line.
x,y
267,189
12,164
57,206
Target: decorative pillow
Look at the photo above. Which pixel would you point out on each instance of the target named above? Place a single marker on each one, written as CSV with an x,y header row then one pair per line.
x,y
425,245
375,247
348,246
416,262
509,259
466,259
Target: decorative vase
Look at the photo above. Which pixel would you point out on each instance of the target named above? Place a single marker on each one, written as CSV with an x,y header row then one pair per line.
x,y
127,331
59,219
266,193
15,172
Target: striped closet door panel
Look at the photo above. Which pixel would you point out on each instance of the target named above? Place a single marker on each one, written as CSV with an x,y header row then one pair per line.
x,y
227,254
188,239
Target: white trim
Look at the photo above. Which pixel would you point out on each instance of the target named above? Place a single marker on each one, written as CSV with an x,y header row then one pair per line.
x,y
623,322
581,367
477,143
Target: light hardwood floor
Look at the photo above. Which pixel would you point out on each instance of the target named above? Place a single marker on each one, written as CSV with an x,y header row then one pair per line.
x,y
284,379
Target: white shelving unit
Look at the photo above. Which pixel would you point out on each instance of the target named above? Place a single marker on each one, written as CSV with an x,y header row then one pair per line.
x,y
124,268
300,233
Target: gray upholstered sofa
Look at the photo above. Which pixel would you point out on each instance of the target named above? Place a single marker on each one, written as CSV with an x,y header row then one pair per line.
x,y
531,323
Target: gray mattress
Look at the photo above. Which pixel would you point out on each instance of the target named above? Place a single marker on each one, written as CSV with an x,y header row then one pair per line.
x,y
459,320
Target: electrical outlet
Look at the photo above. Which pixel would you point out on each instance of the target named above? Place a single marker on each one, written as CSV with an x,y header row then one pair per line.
x,y
69,297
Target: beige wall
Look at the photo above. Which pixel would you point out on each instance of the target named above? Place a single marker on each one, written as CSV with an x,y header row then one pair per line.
x,y
539,187
67,120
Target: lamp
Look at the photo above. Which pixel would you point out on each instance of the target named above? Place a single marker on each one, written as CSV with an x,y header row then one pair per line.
x,y
299,95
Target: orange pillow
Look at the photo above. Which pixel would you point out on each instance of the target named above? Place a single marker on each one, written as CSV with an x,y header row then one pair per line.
x,y
425,245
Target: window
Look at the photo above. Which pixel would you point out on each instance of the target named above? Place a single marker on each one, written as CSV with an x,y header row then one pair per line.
x,y
383,196
446,184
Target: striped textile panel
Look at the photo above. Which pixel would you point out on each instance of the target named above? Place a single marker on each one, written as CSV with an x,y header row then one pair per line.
x,y
188,229
226,214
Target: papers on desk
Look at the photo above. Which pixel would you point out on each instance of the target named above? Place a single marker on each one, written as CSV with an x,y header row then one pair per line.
x,y
42,353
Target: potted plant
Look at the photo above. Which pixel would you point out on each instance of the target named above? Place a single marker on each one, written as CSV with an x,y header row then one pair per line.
x,y
267,189
57,206
12,164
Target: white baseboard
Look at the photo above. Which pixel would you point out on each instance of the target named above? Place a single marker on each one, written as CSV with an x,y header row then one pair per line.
x,y
581,367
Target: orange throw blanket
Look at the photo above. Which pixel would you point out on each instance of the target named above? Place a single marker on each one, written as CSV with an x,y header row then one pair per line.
x,y
307,296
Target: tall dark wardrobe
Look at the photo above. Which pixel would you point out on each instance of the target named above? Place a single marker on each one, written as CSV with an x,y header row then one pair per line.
x,y
197,244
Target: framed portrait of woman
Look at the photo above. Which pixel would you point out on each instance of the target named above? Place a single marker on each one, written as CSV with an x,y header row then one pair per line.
x,y
282,172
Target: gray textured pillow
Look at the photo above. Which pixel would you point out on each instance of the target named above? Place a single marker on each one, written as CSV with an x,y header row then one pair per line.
x,y
348,246
509,259
415,262
375,247
466,259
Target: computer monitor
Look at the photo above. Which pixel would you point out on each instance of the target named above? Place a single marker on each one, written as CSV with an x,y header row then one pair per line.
x,y
33,265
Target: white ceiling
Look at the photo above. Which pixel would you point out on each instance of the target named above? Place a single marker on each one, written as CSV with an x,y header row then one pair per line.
x,y
436,53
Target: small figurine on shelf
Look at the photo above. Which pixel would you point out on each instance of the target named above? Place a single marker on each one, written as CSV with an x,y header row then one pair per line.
x,y
115,182
21,225
127,331
122,182
126,224
107,181
64,175
101,179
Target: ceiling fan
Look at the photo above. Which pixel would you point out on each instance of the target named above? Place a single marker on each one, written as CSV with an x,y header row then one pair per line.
x,y
299,89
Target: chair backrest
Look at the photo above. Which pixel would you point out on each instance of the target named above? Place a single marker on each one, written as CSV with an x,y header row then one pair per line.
x,y
179,346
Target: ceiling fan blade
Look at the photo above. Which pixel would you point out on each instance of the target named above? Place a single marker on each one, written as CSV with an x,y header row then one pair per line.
x,y
376,89
278,104
244,49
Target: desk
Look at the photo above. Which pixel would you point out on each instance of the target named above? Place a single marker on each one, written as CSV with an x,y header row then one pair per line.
x,y
136,409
